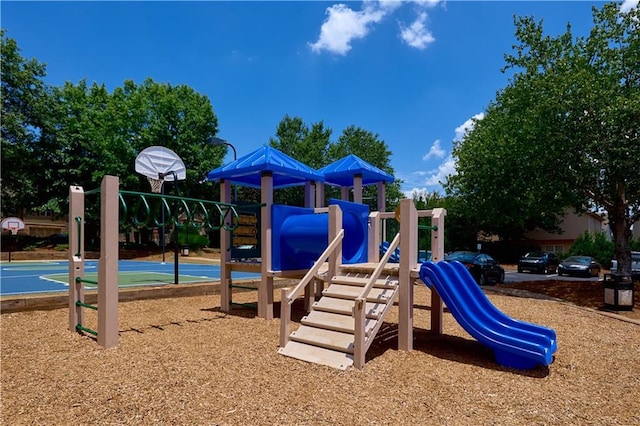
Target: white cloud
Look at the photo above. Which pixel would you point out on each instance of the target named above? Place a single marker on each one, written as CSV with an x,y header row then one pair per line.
x,y
430,180
343,25
417,35
465,127
435,151
627,5
444,170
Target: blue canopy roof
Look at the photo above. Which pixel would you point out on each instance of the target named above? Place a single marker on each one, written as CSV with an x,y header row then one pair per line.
x,y
341,172
247,170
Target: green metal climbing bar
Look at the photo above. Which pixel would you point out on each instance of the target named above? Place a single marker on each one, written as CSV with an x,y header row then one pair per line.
x,y
86,330
86,305
150,209
157,210
86,280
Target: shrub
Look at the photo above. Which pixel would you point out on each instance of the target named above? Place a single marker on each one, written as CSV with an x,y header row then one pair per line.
x,y
595,245
191,236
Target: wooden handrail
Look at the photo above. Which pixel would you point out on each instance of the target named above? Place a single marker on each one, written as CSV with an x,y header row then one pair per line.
x,y
315,268
383,262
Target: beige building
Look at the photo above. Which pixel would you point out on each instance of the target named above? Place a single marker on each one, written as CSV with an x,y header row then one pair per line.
x,y
43,224
573,226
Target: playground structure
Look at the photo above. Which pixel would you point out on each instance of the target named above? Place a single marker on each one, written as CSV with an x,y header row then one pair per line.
x,y
336,246
146,210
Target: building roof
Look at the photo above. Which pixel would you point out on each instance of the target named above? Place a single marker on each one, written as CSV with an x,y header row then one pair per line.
x,y
247,170
342,172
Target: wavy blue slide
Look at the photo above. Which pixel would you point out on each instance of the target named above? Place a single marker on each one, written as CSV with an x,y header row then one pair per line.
x,y
515,344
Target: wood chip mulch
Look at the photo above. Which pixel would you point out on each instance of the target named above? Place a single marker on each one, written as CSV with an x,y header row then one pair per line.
x,y
183,362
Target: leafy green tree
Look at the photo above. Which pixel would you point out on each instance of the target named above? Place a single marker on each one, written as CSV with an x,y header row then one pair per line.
x,y
307,145
97,133
367,146
24,106
564,132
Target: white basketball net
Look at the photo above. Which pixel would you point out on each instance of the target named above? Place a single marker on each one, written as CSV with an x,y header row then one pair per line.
x,y
156,184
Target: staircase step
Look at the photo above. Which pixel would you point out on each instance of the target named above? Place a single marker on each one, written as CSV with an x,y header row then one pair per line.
x,y
329,339
368,268
376,295
336,322
362,281
345,307
317,355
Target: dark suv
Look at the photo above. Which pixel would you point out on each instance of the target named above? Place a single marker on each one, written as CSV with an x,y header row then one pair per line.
x,y
538,261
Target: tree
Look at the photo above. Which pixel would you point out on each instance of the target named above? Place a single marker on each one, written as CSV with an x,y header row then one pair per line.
x,y
564,132
24,106
312,146
367,146
95,133
307,145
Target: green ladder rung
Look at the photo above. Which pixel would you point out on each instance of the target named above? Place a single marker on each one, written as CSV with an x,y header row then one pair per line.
x,y
246,305
242,286
84,280
432,227
86,305
86,330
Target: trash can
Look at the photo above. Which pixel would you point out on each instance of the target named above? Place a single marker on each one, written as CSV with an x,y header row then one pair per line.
x,y
184,250
618,292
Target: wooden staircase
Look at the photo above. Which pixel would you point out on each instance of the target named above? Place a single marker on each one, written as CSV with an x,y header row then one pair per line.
x,y
327,334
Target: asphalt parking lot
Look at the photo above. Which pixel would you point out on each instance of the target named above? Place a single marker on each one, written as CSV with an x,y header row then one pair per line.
x,y
518,277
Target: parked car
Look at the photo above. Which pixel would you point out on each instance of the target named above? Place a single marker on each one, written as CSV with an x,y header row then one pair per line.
x,y
585,266
635,265
538,261
483,268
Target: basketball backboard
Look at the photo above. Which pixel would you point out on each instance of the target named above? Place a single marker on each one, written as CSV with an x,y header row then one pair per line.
x,y
156,161
13,224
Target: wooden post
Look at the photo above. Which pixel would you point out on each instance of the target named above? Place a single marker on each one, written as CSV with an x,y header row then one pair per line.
x,y
357,188
265,289
382,197
309,202
359,351
437,254
382,206
108,265
225,252
319,194
373,251
76,255
344,193
408,261
309,196
285,316
335,226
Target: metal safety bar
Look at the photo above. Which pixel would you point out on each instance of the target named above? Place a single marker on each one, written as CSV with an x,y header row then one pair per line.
x,y
146,212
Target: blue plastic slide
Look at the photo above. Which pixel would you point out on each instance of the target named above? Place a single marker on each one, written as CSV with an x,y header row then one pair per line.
x,y
515,344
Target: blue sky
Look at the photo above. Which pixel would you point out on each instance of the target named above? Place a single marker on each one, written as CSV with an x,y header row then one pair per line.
x,y
413,72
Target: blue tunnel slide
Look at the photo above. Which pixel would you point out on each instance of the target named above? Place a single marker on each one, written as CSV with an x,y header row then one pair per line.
x,y
515,344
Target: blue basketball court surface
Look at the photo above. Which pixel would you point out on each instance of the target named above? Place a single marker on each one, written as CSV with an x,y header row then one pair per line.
x,y
20,278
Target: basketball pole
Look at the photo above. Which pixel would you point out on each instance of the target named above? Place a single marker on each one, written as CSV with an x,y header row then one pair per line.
x,y
163,219
175,227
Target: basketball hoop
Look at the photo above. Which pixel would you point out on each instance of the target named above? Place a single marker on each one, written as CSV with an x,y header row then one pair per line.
x,y
156,184
13,224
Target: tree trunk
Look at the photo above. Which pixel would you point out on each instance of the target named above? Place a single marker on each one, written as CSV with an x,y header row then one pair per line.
x,y
620,223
